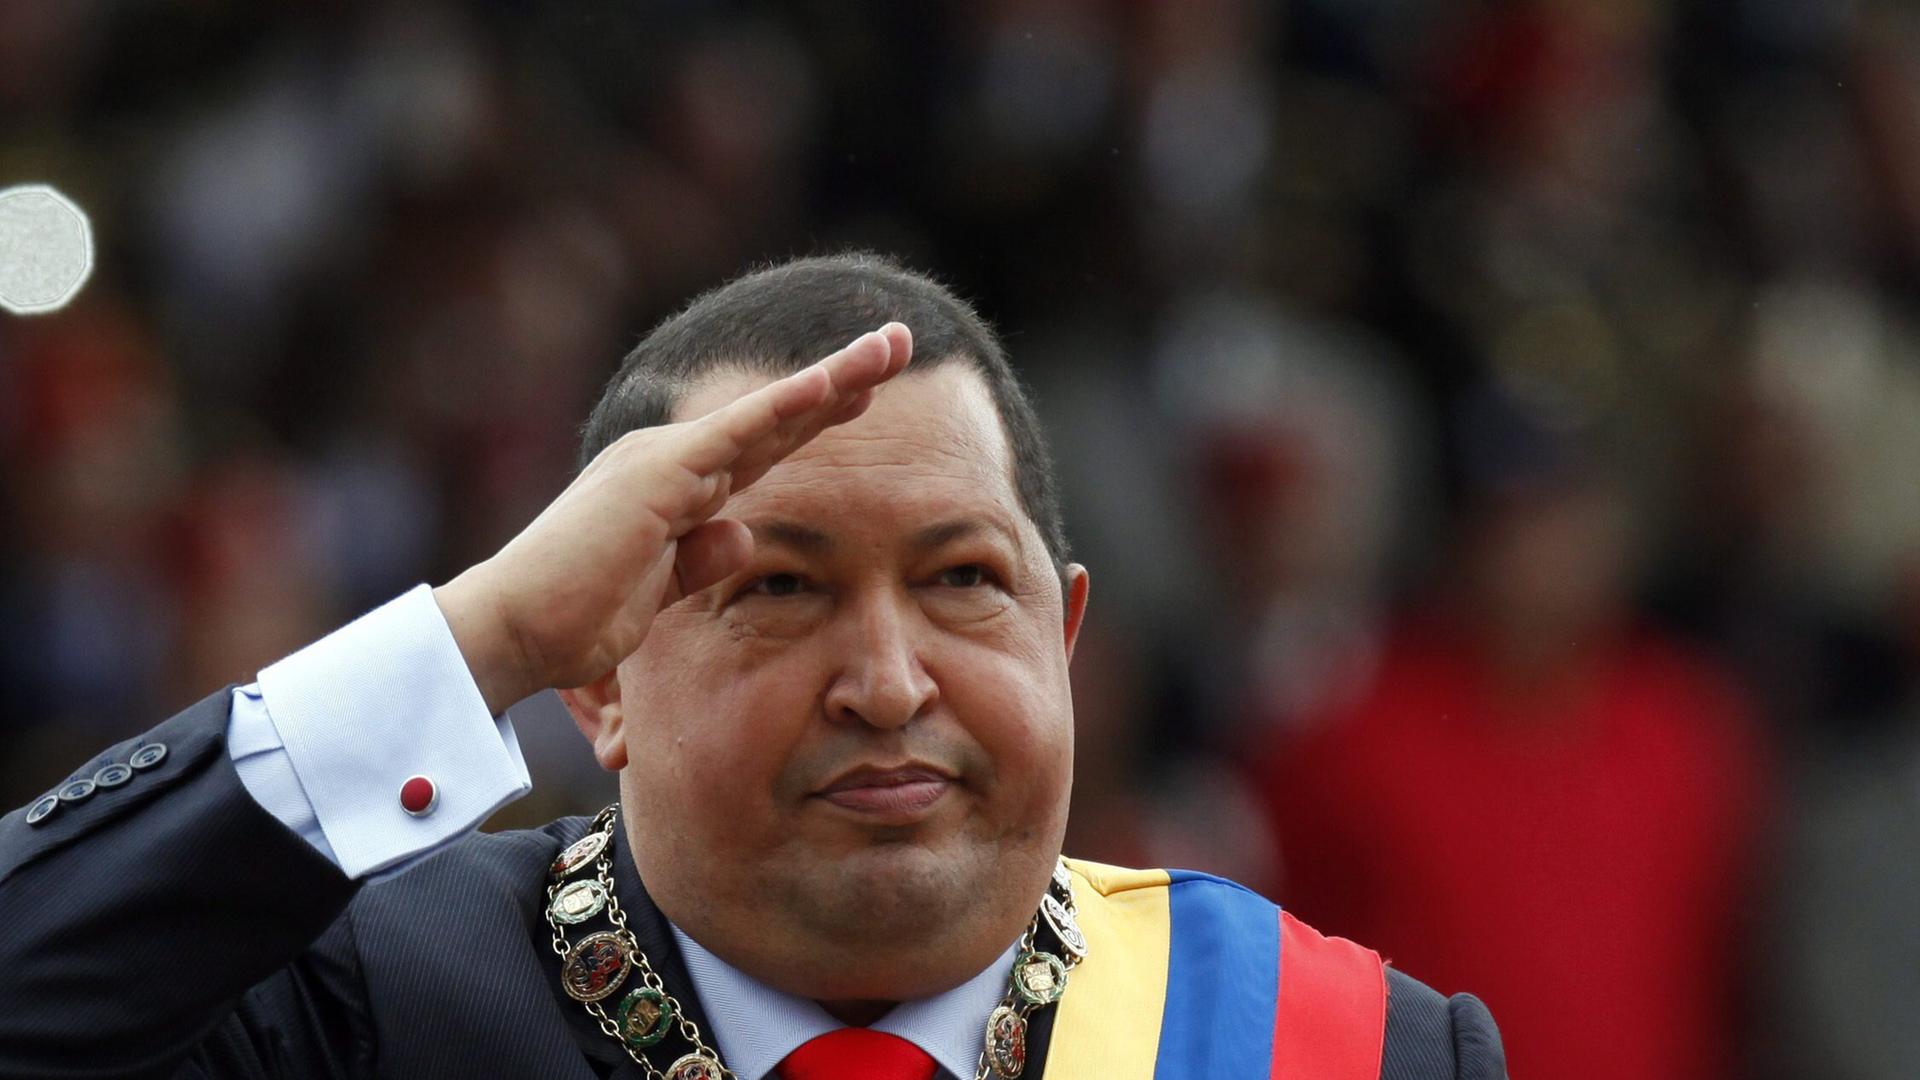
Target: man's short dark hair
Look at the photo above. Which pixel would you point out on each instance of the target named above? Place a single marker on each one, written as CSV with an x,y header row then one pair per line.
x,y
777,320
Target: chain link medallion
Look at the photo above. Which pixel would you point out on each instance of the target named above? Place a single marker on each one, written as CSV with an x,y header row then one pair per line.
x,y
1064,927
1039,978
580,853
1006,1043
694,1066
596,966
645,1017
578,901
1062,878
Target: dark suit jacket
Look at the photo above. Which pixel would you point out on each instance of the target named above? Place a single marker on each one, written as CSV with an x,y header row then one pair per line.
x,y
172,927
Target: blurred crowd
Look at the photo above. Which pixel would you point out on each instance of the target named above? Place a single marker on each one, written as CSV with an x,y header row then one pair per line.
x,y
1492,427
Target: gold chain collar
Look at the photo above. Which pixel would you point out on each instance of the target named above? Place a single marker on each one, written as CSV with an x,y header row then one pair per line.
x,y
594,967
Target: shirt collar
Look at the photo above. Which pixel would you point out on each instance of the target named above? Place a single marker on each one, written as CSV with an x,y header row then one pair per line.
x,y
755,1026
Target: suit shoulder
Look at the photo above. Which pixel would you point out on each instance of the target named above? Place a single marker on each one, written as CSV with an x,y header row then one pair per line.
x,y
1431,1036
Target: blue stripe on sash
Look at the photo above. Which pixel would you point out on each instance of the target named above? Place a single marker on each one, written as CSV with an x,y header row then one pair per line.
x,y
1223,981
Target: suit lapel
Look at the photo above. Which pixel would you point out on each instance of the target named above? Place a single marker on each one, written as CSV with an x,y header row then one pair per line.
x,y
1039,1037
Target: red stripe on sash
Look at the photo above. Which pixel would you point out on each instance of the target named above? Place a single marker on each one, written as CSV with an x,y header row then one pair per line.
x,y
1331,1020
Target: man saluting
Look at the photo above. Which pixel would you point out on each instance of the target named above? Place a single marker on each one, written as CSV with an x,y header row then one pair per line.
x,y
818,616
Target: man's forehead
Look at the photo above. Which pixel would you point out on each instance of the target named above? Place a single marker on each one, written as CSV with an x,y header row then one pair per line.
x,y
726,381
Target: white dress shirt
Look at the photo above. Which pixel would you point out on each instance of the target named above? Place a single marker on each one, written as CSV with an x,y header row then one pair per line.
x,y
327,736
756,1026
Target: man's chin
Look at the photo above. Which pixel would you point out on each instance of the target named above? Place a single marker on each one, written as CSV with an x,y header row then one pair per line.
x,y
890,895
895,884
885,921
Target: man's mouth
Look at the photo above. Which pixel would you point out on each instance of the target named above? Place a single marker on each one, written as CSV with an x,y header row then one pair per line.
x,y
890,792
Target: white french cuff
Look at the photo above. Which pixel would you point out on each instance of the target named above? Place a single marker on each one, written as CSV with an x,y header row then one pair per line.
x,y
382,699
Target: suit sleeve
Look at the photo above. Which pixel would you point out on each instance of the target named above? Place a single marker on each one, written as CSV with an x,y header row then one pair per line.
x,y
1477,1052
1434,1037
166,923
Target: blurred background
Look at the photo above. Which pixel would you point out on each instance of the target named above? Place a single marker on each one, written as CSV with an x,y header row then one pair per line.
x,y
1493,427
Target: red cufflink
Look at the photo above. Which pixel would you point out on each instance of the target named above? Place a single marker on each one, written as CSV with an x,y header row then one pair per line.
x,y
418,796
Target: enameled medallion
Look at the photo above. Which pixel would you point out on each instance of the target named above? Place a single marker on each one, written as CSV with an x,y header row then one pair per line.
x,y
1064,927
694,1067
580,853
644,1017
1006,1043
596,966
578,901
1039,978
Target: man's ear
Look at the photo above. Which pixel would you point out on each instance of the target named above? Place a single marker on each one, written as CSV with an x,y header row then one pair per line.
x,y
596,711
1077,585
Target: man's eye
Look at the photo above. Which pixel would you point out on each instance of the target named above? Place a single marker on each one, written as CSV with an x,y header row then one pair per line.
x,y
777,585
964,577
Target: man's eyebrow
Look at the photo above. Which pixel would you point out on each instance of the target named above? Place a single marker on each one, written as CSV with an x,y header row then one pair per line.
x,y
801,538
811,541
946,532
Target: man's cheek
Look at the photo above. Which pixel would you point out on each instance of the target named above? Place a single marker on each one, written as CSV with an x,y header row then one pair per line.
x,y
1035,749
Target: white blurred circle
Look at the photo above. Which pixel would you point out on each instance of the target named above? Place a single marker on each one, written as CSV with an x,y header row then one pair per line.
x,y
46,249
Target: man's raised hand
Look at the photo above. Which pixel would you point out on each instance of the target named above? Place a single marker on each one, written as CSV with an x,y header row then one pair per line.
x,y
571,596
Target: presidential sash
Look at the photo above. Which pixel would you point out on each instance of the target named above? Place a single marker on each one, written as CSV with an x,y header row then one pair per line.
x,y
1189,976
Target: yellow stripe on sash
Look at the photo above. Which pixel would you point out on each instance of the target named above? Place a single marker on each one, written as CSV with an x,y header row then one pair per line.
x,y
1108,1027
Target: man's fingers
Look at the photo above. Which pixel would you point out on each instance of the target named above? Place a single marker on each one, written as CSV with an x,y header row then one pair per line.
x,y
783,414
709,552
901,341
855,405
856,367
798,431
754,463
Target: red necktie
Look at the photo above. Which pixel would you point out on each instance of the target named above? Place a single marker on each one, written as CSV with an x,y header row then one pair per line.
x,y
856,1053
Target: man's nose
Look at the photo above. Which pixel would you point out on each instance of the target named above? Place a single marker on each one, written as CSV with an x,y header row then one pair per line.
x,y
881,682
